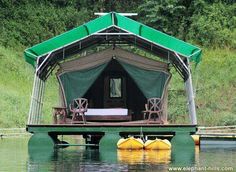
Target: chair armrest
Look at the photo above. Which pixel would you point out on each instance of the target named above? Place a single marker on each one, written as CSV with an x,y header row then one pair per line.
x,y
146,107
145,111
86,107
70,108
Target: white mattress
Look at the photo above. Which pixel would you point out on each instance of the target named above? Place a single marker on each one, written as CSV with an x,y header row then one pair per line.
x,y
108,111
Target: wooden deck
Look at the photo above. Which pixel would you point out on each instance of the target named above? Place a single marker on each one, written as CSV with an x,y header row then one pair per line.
x,y
137,123
115,127
109,125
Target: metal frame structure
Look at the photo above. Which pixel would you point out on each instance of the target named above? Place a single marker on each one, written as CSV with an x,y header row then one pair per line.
x,y
112,35
123,14
36,105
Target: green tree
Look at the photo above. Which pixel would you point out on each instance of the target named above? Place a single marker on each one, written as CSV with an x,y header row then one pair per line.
x,y
209,23
169,16
215,26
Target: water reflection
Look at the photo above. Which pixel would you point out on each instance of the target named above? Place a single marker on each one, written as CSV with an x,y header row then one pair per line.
x,y
74,159
82,159
181,156
15,157
144,156
130,156
158,156
37,154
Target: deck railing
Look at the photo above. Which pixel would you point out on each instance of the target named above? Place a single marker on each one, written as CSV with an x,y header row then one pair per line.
x,y
217,131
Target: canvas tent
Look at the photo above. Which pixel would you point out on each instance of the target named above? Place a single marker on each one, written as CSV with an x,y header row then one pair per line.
x,y
77,76
112,29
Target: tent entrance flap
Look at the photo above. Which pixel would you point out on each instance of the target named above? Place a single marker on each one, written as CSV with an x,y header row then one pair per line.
x,y
151,83
75,84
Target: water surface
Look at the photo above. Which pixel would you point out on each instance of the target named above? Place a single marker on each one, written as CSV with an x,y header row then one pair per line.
x,y
14,156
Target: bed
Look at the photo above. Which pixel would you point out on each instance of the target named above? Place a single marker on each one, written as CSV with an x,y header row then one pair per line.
x,y
108,114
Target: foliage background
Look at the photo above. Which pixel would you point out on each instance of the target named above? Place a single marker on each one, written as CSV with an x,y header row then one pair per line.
x,y
210,24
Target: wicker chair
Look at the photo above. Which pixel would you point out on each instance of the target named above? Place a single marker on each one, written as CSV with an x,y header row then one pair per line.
x,y
78,107
154,108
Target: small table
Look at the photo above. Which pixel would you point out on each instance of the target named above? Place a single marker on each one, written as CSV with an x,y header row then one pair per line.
x,y
61,112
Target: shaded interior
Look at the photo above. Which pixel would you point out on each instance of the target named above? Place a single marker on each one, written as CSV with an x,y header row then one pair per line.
x,y
132,98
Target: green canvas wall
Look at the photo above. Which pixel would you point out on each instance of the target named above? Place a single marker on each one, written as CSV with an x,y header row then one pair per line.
x,y
75,84
150,82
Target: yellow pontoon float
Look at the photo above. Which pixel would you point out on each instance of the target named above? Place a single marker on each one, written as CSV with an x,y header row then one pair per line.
x,y
196,139
130,143
157,144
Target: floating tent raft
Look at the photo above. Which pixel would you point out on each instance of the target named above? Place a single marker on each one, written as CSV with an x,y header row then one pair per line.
x,y
113,29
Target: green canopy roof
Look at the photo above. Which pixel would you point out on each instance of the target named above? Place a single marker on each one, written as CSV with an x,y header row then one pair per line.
x,y
111,27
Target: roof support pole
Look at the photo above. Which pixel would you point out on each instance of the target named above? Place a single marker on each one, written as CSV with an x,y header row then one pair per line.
x,y
34,99
41,101
36,104
32,102
190,97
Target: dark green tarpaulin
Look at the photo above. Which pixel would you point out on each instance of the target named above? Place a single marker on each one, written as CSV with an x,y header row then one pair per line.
x,y
105,22
151,83
76,83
